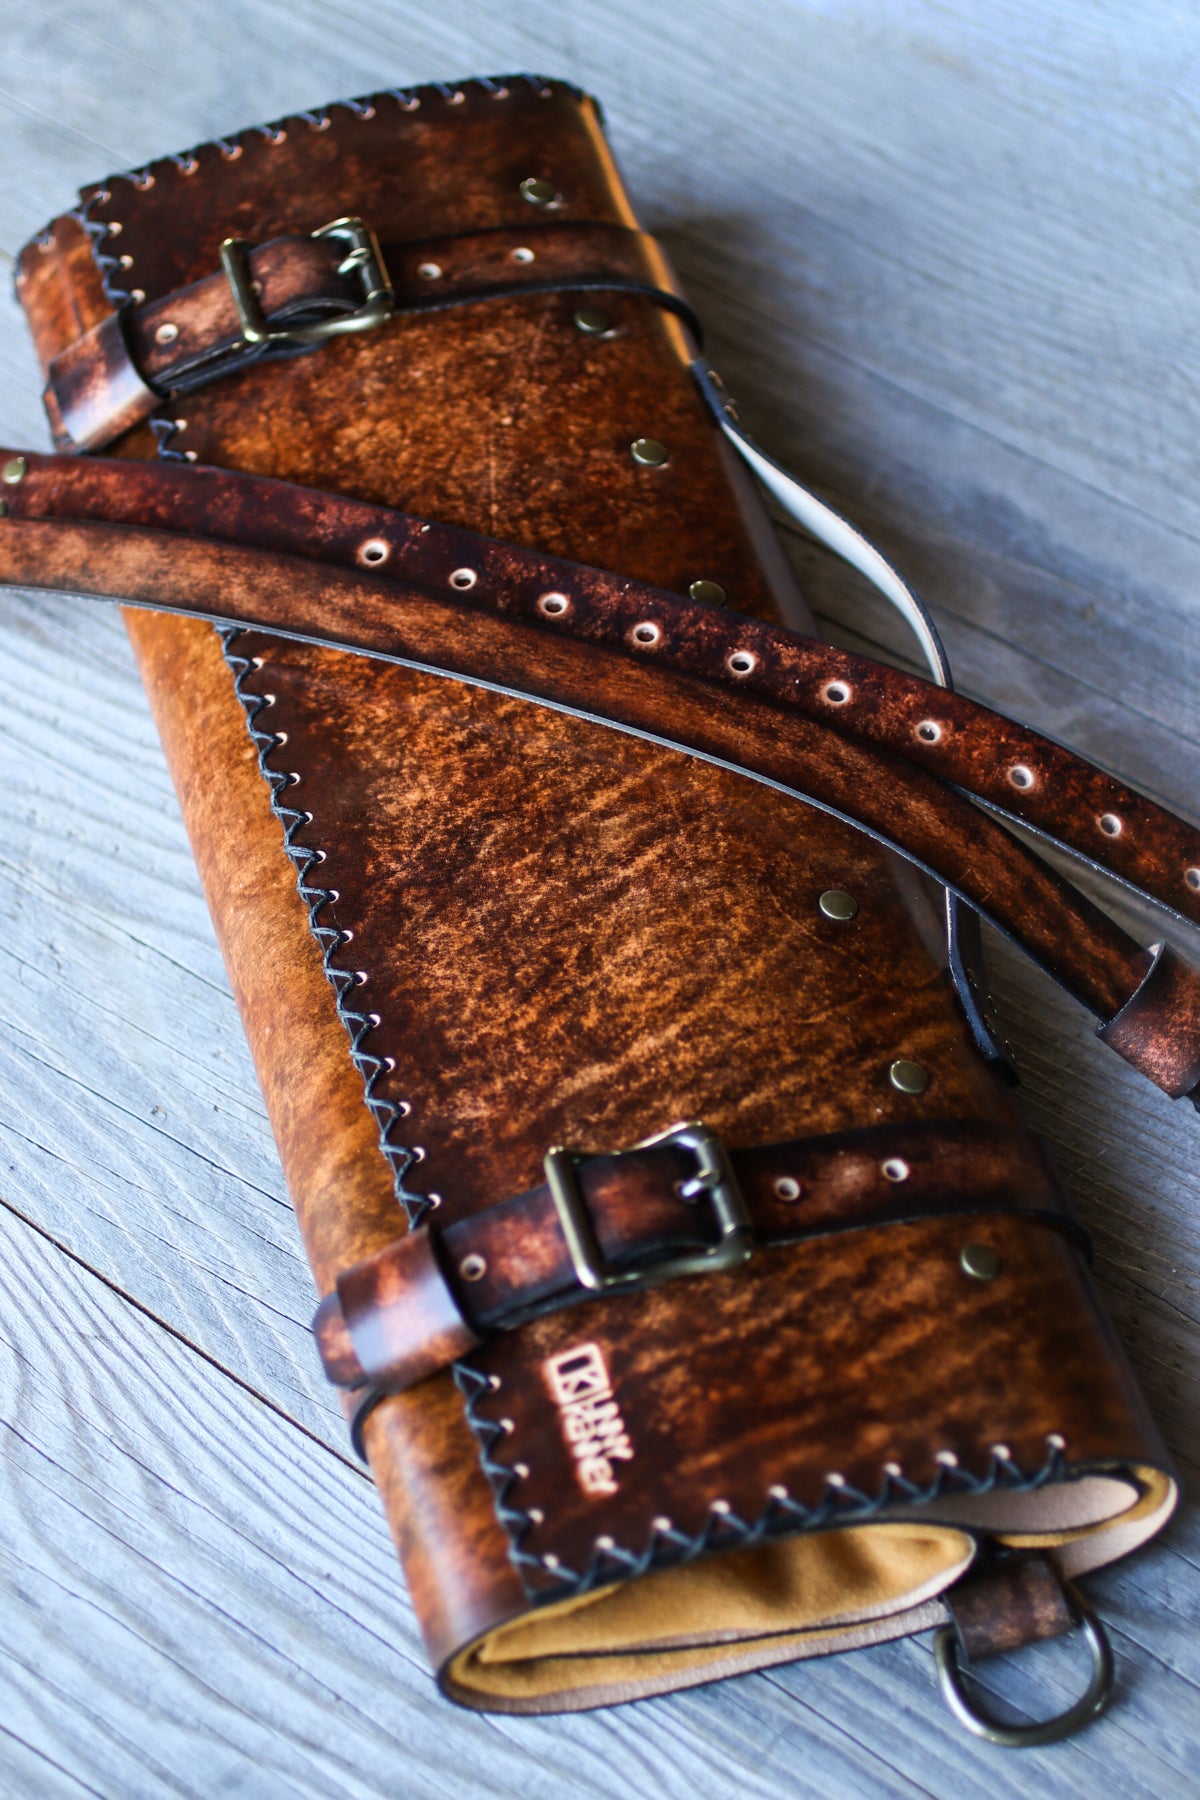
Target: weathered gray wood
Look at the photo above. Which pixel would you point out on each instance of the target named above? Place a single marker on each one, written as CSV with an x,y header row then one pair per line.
x,y
946,256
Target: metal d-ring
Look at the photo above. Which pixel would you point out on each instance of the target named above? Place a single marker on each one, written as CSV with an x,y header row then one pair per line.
x,y
1048,1731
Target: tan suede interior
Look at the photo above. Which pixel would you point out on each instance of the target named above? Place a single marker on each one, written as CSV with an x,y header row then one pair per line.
x,y
645,1635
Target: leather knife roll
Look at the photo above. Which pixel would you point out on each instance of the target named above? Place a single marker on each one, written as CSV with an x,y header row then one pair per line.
x,y
463,929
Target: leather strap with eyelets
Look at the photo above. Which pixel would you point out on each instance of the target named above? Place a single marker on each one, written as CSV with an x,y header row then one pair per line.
x,y
120,371
840,731
434,1294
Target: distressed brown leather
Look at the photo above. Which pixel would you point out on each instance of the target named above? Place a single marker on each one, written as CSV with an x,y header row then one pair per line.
x,y
499,1266
116,374
1005,1605
542,931
1153,1029
400,1320
448,574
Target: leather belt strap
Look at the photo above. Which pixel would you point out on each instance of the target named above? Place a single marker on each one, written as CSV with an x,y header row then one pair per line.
x,y
436,1293
118,373
841,731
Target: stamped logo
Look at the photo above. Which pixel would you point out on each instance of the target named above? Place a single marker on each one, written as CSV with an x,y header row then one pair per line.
x,y
591,1419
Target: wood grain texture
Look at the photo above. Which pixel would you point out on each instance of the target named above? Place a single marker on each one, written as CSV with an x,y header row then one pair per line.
x,y
946,258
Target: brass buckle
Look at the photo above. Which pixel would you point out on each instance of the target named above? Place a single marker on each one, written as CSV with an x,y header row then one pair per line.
x,y
714,1180
363,258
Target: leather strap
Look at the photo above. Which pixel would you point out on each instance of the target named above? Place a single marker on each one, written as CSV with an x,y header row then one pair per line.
x,y
434,1294
1004,1603
120,371
839,730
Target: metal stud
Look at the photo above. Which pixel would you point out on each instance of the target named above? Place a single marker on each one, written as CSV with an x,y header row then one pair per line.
x,y
711,592
788,1188
591,321
648,452
15,469
837,904
166,333
522,254
472,1268
538,191
980,1260
908,1077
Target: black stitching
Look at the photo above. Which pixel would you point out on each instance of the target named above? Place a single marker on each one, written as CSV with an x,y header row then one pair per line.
x,y
362,107
841,1504
387,1113
97,230
515,1520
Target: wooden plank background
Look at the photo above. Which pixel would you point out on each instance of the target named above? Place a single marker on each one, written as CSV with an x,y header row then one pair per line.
x,y
947,254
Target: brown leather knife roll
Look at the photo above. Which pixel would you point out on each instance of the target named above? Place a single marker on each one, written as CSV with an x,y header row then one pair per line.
x,y
769,1387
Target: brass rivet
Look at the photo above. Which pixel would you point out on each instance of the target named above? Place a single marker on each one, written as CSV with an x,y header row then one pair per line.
x,y
836,903
538,191
166,333
593,321
472,1268
980,1260
711,592
908,1077
649,452
15,469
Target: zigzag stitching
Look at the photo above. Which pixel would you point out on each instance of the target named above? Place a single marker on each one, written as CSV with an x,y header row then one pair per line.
x,y
362,107
388,1113
668,1547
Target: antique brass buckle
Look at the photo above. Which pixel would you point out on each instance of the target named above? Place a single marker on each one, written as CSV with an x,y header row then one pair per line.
x,y
714,1181
363,258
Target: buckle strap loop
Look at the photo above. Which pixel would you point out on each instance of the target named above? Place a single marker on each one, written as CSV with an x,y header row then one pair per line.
x,y
289,295
614,1223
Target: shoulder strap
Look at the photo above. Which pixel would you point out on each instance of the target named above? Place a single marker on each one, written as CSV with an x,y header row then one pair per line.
x,y
869,744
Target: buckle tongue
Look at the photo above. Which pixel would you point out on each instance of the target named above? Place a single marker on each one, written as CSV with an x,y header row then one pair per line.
x,y
714,1180
363,258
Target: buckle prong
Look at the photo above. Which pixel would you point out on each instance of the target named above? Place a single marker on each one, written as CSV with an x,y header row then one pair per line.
x,y
714,1180
363,259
